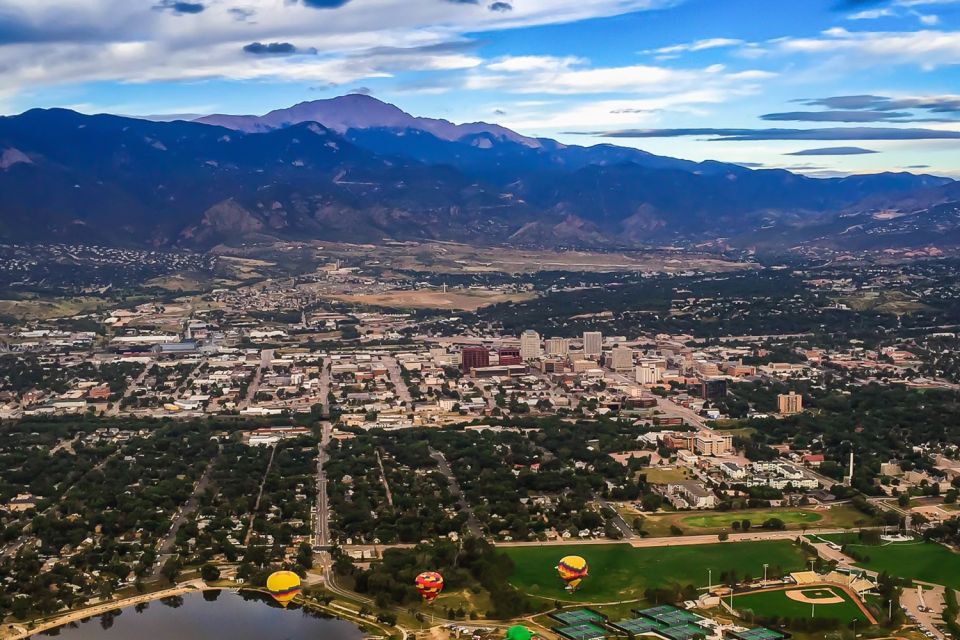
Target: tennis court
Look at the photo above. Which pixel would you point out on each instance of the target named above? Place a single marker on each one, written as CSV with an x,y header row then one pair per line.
x,y
668,615
636,626
578,616
760,633
683,632
586,631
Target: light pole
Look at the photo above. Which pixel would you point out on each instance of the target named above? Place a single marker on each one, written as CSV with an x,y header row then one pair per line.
x,y
765,565
854,628
709,581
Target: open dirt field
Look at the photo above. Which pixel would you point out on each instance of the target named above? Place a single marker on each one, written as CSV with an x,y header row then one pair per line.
x,y
469,300
450,257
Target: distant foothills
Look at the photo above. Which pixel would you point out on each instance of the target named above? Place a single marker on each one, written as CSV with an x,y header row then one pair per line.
x,y
354,168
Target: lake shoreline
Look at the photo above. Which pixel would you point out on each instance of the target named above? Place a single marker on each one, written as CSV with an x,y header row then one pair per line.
x,y
21,631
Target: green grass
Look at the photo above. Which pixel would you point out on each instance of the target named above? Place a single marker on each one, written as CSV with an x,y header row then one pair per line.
x,y
776,603
925,561
756,518
657,475
839,516
622,572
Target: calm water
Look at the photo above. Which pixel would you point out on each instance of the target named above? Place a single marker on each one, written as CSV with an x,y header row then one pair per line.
x,y
210,616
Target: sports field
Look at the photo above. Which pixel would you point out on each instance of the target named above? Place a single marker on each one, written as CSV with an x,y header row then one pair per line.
x,y
778,603
622,572
926,561
841,516
757,518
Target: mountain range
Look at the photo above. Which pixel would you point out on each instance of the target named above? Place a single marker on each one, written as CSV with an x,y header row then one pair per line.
x,y
354,168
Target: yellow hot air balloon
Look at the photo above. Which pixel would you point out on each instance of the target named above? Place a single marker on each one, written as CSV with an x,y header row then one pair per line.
x,y
284,586
572,570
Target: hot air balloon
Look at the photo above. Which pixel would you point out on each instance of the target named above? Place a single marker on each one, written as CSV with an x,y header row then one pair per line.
x,y
572,570
284,586
518,632
429,585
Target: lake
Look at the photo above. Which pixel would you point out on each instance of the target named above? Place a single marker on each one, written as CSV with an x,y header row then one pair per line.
x,y
209,616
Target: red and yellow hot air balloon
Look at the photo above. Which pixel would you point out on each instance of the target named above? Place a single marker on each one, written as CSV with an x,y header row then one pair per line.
x,y
284,586
429,585
572,570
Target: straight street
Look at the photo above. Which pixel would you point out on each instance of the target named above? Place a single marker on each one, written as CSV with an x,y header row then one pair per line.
x,y
473,525
182,515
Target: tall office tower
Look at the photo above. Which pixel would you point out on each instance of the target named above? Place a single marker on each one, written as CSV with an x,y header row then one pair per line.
x,y
558,347
529,345
621,359
592,344
474,358
648,372
789,403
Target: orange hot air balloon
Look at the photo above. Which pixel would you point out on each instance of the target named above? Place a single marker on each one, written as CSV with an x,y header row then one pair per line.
x,y
284,586
429,585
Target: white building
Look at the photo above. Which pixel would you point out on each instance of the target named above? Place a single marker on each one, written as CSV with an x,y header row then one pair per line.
x,y
558,347
648,372
530,345
592,343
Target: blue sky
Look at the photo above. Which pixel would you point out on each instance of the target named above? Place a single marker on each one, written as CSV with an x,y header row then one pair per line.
x,y
823,87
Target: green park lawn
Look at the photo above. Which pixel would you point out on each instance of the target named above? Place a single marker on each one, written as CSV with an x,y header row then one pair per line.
x,y
723,520
925,561
701,522
776,603
622,572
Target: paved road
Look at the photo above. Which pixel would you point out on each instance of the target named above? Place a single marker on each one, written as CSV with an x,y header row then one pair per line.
x,y
639,543
617,520
393,370
473,525
322,513
256,505
182,515
383,479
325,385
933,600
133,386
266,359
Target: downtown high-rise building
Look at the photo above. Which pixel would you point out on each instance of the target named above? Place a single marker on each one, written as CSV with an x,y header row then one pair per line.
x,y
592,344
648,372
530,345
558,347
621,359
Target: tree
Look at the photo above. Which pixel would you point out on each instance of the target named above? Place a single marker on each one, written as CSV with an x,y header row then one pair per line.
x,y
209,573
903,500
170,569
305,555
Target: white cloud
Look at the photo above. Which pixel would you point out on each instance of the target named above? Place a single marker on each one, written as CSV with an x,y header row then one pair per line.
x,y
872,14
699,45
926,49
50,42
568,75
